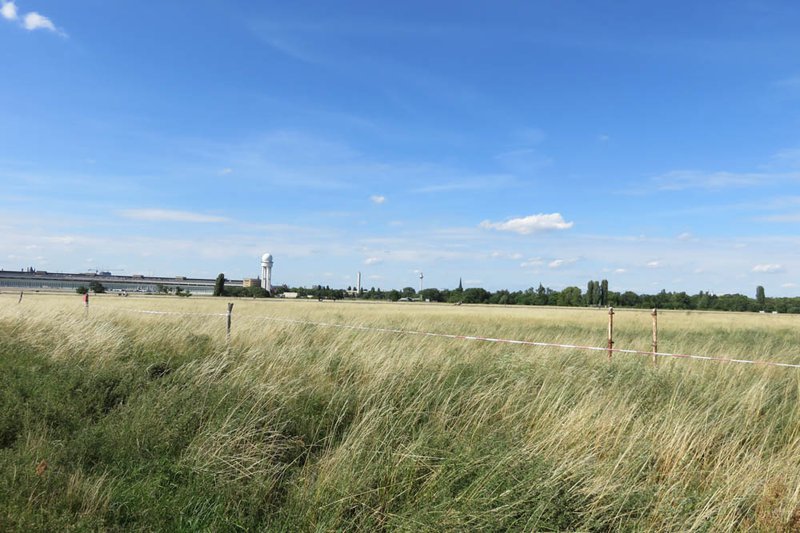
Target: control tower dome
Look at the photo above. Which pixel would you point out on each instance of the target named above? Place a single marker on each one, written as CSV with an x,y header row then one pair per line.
x,y
266,272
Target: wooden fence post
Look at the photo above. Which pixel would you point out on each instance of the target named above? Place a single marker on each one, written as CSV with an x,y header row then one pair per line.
x,y
228,331
610,331
654,314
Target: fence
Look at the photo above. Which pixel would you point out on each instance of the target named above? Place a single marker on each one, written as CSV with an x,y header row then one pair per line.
x,y
609,349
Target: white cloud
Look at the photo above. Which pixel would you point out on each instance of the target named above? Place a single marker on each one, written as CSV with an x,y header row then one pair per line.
x,y
30,21
35,21
225,171
685,236
530,224
373,261
9,11
377,199
789,285
620,271
167,215
558,263
603,138
768,268
533,262
654,264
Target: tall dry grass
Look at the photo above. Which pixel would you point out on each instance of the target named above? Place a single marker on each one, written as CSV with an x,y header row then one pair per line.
x,y
154,422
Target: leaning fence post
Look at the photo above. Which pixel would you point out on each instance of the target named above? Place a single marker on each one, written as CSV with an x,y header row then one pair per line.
x,y
228,332
654,314
610,331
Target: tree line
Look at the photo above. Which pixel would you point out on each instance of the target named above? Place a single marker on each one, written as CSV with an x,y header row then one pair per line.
x,y
596,294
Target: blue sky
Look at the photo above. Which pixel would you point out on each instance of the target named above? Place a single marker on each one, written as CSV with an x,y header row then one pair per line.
x,y
653,144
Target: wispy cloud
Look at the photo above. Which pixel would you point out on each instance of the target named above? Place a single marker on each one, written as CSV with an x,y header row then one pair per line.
x,y
168,215
532,263
530,224
788,156
493,181
679,180
373,261
377,199
788,83
791,217
514,256
768,268
559,263
524,161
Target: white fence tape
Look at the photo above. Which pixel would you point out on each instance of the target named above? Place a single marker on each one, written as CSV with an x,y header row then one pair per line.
x,y
482,339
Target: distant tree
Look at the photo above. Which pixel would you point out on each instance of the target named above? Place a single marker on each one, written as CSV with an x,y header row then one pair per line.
x,y
219,285
97,287
408,292
541,295
591,293
393,295
81,290
434,295
761,297
603,293
570,296
629,299
476,295
502,297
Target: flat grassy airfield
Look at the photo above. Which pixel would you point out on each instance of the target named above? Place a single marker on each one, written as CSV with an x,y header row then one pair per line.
x,y
121,420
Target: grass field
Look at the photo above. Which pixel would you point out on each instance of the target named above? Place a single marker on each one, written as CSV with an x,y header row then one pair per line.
x,y
127,421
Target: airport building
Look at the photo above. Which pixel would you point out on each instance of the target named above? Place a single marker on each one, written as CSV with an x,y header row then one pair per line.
x,y
36,280
48,281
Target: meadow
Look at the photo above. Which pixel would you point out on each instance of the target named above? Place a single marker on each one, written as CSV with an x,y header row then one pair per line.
x,y
118,420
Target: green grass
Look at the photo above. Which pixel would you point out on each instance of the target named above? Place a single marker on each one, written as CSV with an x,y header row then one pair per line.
x,y
154,423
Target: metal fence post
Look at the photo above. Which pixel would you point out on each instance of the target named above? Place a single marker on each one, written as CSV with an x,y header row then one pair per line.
x,y
654,314
228,331
610,331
